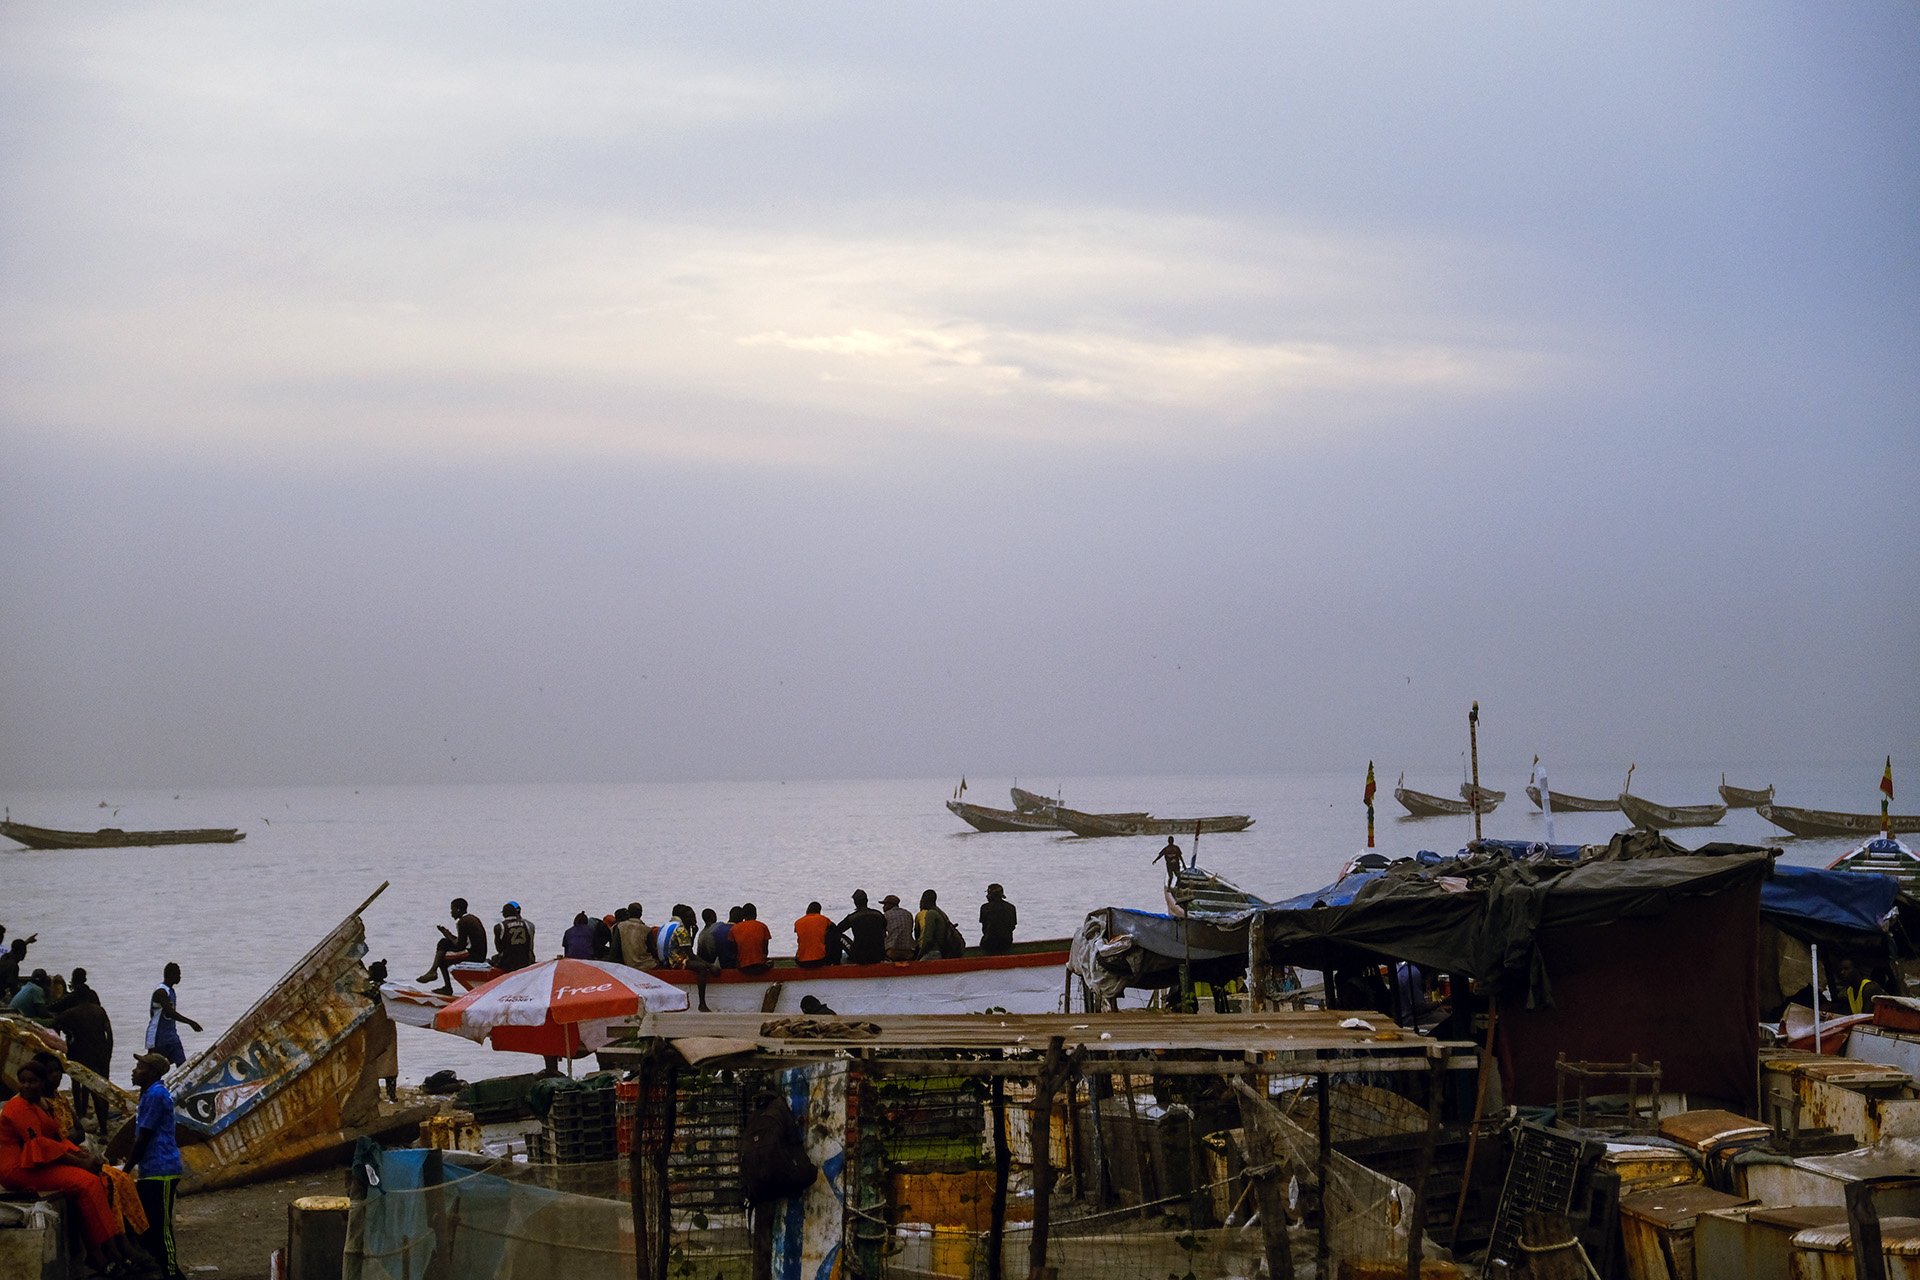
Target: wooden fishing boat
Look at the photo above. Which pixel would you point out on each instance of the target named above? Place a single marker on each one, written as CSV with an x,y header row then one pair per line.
x,y
1885,856
1031,978
113,837
1649,816
1421,804
981,818
1564,803
1488,796
1744,797
296,1077
1135,824
1822,822
1031,801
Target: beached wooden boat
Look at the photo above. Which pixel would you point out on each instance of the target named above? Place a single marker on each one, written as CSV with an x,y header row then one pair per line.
x,y
1136,824
1649,816
113,837
1564,803
296,1077
1744,797
1823,822
1422,804
1488,796
1883,856
981,818
1031,978
1031,801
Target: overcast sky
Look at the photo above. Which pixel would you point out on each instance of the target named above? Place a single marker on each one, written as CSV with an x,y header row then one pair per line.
x,y
603,392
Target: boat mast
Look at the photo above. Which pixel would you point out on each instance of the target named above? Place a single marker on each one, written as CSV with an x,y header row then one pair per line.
x,y
1473,747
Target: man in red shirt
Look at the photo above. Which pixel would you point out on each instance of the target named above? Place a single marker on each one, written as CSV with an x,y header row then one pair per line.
x,y
751,938
812,932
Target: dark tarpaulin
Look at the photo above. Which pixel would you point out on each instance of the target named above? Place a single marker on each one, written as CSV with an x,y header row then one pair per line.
x,y
1656,956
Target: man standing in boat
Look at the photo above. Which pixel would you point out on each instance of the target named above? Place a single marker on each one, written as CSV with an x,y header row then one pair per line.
x,y
1172,856
512,939
163,1037
465,942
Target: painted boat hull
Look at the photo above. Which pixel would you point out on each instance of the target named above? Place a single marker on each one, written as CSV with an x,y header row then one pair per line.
x,y
1564,803
1488,797
981,818
114,837
1422,805
1126,824
1822,822
298,1075
1649,816
1883,857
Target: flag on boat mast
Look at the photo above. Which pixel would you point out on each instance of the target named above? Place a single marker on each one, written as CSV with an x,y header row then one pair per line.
x,y
1367,798
1886,798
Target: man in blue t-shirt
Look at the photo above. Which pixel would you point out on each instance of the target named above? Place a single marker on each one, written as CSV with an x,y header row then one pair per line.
x,y
158,1157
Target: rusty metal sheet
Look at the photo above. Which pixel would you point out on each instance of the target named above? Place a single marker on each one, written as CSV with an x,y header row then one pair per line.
x,y
1711,1129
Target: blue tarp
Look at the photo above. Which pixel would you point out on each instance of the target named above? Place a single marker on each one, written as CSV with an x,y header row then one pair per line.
x,y
1841,899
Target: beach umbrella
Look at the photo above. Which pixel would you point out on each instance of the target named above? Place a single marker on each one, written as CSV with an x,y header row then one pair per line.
x,y
558,1008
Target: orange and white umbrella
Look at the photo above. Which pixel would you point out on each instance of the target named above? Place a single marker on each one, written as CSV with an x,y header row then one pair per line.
x,y
558,1007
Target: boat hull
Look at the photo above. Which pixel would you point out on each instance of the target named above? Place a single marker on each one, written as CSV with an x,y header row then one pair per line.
x,y
1883,857
1745,797
1488,797
1564,803
1821,822
1125,824
1031,801
981,818
1422,805
114,837
1649,816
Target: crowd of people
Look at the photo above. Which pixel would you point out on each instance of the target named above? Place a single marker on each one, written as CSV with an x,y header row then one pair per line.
x,y
126,1213
706,944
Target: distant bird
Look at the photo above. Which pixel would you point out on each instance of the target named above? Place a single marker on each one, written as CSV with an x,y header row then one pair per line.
x,y
176,797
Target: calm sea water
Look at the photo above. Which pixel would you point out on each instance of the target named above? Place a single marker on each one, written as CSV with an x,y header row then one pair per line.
x,y
238,916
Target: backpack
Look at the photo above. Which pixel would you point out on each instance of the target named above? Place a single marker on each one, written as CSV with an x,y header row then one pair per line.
x,y
773,1156
954,944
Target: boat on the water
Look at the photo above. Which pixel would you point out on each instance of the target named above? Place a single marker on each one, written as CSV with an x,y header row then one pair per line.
x,y
1565,803
1822,822
982,818
113,837
1422,804
1649,816
1031,801
1488,796
1744,797
1031,978
1140,824
1883,855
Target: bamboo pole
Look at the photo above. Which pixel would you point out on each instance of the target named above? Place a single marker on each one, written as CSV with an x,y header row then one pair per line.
x,y
1323,1250
1266,1180
1002,1163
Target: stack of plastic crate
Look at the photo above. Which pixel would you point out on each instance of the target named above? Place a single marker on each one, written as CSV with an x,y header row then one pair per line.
x,y
580,1126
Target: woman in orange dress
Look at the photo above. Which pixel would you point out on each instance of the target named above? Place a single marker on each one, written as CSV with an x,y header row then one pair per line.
x,y
36,1156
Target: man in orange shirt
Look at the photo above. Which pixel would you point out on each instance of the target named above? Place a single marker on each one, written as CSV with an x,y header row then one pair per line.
x,y
751,938
813,932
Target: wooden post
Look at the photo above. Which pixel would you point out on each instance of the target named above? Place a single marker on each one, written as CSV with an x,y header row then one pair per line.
x,y
647,1165
1002,1164
1323,1251
1041,1128
1268,1183
1863,1222
1473,1129
1417,1226
1258,968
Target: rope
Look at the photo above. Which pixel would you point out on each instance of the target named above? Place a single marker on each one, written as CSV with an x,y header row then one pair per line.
x,y
1573,1244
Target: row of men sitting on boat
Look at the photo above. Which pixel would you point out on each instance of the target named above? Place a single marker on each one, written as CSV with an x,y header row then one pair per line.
x,y
741,941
